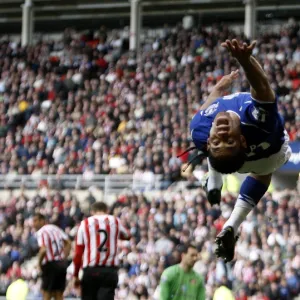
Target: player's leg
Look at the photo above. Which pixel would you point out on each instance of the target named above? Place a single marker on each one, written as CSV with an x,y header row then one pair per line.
x,y
109,282
90,283
252,190
57,279
213,185
46,282
47,295
106,293
58,295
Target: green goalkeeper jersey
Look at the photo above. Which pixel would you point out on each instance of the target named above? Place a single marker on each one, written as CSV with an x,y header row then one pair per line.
x,y
175,284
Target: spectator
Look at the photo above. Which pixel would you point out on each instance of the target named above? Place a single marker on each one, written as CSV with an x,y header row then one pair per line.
x,y
66,112
14,272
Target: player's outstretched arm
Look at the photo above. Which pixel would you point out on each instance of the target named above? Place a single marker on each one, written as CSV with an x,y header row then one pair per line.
x,y
220,88
260,86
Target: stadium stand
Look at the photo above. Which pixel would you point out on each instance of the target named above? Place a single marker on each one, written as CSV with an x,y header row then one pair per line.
x,y
57,117
82,105
268,254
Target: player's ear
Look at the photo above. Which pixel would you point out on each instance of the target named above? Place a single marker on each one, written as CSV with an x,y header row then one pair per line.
x,y
243,142
208,144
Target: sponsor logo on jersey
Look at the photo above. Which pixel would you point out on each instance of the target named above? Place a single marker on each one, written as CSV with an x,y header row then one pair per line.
x,y
255,148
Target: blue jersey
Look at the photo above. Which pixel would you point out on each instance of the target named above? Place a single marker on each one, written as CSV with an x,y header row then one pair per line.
x,y
261,124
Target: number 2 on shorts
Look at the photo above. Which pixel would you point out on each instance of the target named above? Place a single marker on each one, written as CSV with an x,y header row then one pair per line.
x,y
101,247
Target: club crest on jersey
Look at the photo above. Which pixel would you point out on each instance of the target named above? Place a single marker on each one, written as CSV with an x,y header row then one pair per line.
x,y
211,109
259,114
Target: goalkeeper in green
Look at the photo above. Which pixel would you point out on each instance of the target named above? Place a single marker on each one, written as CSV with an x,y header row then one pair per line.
x,y
181,282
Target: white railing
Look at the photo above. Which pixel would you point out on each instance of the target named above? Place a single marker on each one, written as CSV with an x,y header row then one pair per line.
x,y
109,184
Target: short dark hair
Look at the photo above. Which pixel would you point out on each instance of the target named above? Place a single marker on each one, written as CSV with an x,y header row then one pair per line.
x,y
99,207
228,164
185,248
40,216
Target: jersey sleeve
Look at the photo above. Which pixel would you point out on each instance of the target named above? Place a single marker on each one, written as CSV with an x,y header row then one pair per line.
x,y
263,114
201,291
262,111
200,127
41,239
165,284
80,235
79,249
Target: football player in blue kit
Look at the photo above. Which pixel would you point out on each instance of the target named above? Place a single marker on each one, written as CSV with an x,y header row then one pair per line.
x,y
241,132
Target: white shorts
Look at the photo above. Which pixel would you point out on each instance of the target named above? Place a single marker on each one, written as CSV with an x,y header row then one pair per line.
x,y
270,164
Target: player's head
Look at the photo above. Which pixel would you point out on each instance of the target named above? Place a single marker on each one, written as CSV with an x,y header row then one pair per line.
x,y
226,145
99,207
189,256
39,221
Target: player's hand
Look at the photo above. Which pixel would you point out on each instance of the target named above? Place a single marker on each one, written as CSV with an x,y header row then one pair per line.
x,y
227,80
241,52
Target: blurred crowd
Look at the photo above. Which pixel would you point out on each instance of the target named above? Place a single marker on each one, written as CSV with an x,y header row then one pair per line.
x,y
267,260
18,243
85,105
267,256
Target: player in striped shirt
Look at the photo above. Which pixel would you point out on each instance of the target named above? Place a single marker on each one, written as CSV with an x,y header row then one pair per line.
x,y
54,249
96,252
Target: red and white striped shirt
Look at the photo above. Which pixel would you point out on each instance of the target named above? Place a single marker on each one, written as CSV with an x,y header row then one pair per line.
x,y
52,238
97,241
